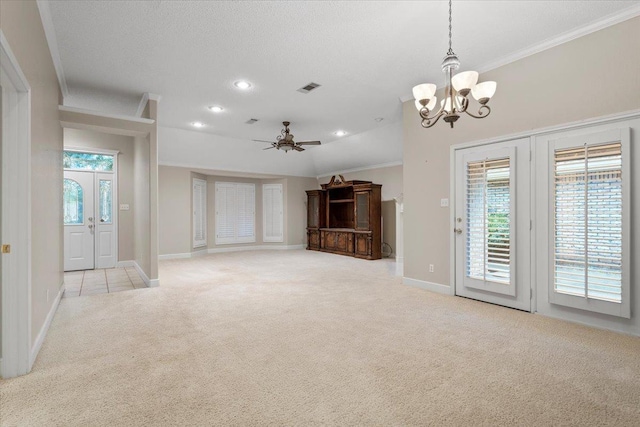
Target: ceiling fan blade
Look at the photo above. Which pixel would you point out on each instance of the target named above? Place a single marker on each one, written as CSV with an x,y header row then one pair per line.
x,y
269,148
308,143
262,140
297,148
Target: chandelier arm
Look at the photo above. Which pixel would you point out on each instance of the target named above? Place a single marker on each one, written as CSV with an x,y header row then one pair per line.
x,y
465,104
427,121
480,114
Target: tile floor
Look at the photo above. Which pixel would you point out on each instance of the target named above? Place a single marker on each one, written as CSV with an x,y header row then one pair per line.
x,y
102,281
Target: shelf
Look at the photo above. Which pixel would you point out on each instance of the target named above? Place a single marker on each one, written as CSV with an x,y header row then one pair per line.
x,y
341,201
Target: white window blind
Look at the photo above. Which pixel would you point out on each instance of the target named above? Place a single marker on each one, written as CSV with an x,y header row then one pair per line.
x,y
272,213
488,220
235,213
588,221
199,213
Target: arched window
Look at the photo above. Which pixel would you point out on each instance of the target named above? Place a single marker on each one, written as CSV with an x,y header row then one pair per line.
x,y
73,200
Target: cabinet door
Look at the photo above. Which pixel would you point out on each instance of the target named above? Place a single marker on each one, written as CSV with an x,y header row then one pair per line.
x,y
313,211
313,241
362,210
328,240
363,245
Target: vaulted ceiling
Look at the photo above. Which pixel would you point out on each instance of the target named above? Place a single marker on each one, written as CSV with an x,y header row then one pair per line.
x,y
365,55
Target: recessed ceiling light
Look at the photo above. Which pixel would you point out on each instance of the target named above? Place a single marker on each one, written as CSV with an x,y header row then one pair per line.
x,y
216,108
197,124
242,84
340,133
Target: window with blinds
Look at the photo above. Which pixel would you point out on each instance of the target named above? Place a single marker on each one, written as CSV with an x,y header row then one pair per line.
x,y
272,213
235,213
488,201
588,209
199,213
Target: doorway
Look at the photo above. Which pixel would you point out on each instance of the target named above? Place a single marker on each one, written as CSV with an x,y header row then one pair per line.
x,y
89,210
492,223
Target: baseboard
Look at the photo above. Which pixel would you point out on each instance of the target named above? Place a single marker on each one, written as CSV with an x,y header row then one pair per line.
x,y
429,286
201,252
151,283
45,328
175,256
123,264
256,248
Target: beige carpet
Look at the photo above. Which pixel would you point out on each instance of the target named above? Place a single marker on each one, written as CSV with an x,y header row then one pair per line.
x,y
306,338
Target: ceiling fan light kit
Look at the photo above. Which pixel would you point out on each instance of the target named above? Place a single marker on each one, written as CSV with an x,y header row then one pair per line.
x,y
285,141
457,89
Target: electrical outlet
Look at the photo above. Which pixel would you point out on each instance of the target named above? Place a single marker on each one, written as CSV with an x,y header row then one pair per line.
x,y
430,268
444,203
124,207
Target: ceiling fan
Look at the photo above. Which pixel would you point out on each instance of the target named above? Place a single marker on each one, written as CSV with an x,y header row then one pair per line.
x,y
285,141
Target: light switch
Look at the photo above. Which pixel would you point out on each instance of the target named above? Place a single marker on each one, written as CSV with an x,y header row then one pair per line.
x,y
444,203
124,207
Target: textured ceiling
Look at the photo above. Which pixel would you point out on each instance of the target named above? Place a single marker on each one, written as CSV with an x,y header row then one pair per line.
x,y
366,55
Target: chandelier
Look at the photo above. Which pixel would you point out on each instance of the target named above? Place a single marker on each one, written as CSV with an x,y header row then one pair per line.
x,y
456,99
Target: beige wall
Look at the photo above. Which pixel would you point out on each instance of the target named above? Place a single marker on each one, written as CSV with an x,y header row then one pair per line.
x,y
21,25
392,186
124,144
176,200
296,212
141,205
592,76
174,210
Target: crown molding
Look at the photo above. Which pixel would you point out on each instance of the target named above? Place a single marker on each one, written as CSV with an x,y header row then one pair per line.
x,y
52,41
607,21
146,97
363,168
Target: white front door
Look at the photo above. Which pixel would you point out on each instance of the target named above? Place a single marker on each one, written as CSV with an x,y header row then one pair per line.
x,y
492,252
105,231
79,220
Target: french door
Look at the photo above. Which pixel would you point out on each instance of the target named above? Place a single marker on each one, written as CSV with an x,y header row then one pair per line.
x,y
492,223
89,221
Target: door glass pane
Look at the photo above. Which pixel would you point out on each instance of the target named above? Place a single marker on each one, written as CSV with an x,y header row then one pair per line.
x,y
87,161
72,202
362,208
488,220
313,217
105,202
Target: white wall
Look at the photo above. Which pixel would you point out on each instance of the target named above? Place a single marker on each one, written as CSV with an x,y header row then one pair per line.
x,y
195,150
381,146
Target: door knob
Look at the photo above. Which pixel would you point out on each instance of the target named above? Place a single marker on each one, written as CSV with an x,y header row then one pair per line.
x,y
90,226
91,218
458,230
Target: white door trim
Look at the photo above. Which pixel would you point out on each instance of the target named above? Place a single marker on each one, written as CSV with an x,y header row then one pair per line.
x,y
16,215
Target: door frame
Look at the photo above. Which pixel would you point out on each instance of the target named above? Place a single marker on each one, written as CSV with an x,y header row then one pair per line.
x,y
116,206
16,215
488,143
522,224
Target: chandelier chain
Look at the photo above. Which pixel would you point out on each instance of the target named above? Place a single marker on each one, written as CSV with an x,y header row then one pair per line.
x,y
450,50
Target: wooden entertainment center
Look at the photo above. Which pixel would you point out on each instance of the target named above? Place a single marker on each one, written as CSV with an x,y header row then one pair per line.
x,y
345,217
